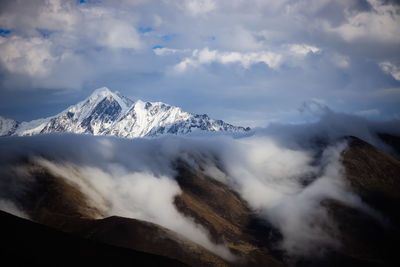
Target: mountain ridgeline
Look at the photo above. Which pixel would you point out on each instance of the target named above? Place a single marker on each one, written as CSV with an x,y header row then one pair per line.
x,y
108,113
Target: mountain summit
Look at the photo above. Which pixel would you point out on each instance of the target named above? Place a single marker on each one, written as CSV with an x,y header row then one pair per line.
x,y
108,113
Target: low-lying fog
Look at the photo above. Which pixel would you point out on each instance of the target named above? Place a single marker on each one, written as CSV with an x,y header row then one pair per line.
x,y
283,172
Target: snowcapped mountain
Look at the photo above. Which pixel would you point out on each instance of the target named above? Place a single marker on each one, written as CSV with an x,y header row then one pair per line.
x,y
7,126
108,113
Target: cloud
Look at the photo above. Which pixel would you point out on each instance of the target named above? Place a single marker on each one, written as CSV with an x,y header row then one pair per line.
x,y
369,25
206,56
139,195
368,112
388,92
341,61
9,206
274,170
31,56
197,7
111,32
303,49
54,15
391,69
165,51
47,39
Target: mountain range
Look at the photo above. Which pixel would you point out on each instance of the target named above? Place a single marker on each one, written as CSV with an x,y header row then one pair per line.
x,y
108,113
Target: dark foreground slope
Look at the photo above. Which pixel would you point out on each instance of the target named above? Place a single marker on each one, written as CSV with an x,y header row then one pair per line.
x,y
375,176
372,235
139,236
25,243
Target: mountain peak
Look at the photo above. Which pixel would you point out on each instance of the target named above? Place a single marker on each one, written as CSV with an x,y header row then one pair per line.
x,y
102,90
100,93
106,112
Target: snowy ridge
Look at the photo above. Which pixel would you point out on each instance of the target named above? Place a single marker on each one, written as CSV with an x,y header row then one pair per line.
x,y
7,126
108,113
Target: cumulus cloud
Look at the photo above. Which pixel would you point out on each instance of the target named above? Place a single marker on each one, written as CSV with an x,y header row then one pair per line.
x,y
369,25
31,56
206,56
47,38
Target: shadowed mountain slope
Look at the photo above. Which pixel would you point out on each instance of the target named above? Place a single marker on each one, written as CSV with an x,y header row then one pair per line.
x,y
375,176
25,243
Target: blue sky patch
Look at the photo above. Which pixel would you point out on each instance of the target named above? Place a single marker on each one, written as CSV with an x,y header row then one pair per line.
x,y
4,32
168,37
157,47
145,29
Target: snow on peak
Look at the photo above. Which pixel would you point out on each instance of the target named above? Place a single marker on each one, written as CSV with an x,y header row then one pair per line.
x,y
102,91
108,113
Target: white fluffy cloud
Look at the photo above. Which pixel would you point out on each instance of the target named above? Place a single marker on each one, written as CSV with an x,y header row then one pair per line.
x,y
110,28
31,55
197,7
47,38
303,49
29,16
391,69
382,24
206,56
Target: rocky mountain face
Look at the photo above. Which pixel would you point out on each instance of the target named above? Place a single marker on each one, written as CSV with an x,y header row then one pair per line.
x,y
108,113
367,237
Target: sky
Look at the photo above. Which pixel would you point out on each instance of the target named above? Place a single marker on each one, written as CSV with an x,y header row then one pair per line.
x,y
249,63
